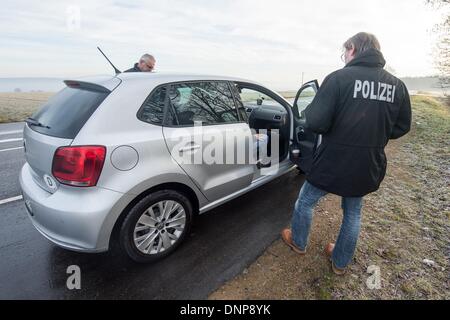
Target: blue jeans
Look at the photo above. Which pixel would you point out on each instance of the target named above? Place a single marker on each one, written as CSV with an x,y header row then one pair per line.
x,y
348,236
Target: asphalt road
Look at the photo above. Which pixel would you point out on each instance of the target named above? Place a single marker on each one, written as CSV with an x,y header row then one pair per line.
x,y
223,242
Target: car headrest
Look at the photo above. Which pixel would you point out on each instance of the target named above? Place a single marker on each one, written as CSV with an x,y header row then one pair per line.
x,y
186,117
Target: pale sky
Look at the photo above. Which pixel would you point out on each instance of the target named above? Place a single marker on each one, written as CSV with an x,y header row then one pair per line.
x,y
272,42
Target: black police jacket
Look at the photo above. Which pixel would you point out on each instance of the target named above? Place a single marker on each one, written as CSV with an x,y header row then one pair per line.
x,y
357,110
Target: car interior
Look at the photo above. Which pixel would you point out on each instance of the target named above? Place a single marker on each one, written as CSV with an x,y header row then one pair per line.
x,y
265,112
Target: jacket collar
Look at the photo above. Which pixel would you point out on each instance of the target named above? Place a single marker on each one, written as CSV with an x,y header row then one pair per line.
x,y
371,58
136,68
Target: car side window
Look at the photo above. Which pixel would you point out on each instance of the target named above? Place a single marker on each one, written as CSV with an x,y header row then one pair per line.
x,y
240,105
152,110
304,99
207,102
253,98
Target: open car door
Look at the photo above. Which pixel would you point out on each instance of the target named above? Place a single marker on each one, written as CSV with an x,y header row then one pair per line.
x,y
304,141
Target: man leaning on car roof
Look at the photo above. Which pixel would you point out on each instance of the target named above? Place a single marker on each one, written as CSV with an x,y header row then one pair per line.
x,y
146,64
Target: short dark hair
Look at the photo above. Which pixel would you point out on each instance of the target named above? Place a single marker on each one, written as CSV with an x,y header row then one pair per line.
x,y
362,41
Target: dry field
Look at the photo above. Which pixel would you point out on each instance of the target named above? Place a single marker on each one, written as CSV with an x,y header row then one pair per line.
x,y
18,106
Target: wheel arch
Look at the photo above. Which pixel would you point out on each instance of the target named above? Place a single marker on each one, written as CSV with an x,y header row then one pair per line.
x,y
176,186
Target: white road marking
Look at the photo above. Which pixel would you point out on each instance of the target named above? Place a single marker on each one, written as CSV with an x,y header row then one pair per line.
x,y
11,132
11,199
11,140
10,149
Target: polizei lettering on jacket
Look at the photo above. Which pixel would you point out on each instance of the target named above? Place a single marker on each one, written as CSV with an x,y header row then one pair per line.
x,y
374,91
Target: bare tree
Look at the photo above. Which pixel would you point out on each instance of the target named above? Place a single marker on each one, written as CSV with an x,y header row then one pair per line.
x,y
442,53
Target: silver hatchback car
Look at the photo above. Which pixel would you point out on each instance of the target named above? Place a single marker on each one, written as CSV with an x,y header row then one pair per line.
x,y
106,156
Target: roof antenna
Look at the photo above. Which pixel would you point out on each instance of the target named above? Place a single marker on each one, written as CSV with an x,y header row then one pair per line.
x,y
115,69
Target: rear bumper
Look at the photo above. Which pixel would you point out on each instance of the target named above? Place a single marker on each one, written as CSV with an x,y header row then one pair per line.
x,y
77,219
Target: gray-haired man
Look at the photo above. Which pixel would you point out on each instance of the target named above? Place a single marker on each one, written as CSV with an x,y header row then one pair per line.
x,y
146,64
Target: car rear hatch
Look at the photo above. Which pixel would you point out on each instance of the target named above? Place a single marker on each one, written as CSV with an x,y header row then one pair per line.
x,y
58,122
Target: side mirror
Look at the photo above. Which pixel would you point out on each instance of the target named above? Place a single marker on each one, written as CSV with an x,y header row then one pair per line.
x,y
259,101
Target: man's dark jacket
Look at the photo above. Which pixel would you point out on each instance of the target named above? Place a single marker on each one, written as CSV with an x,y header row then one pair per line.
x,y
134,69
357,110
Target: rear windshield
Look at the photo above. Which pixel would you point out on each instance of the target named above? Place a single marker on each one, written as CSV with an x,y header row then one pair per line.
x,y
67,111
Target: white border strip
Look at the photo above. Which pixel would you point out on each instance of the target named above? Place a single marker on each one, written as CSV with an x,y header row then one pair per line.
x,y
10,149
10,132
11,199
11,140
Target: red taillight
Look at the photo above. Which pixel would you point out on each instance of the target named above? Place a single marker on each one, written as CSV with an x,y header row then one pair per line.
x,y
78,166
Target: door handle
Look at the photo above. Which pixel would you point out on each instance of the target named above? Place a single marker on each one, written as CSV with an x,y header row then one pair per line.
x,y
189,148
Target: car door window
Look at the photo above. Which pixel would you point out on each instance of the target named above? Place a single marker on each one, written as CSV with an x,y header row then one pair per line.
x,y
304,97
251,99
206,102
254,98
152,111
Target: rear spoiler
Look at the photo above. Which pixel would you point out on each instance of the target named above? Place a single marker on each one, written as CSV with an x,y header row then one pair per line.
x,y
86,86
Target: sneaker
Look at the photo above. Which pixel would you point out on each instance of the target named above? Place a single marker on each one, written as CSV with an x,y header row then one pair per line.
x,y
286,235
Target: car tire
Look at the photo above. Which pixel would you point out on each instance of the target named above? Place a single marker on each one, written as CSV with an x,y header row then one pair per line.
x,y
141,228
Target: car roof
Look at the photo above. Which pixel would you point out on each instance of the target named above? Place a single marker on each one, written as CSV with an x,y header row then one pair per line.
x,y
110,81
156,78
174,77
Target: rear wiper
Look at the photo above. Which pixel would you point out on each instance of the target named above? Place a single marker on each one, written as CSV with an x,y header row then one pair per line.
x,y
34,122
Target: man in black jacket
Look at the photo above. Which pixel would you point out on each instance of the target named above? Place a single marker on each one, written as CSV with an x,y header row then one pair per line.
x,y
146,64
357,110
